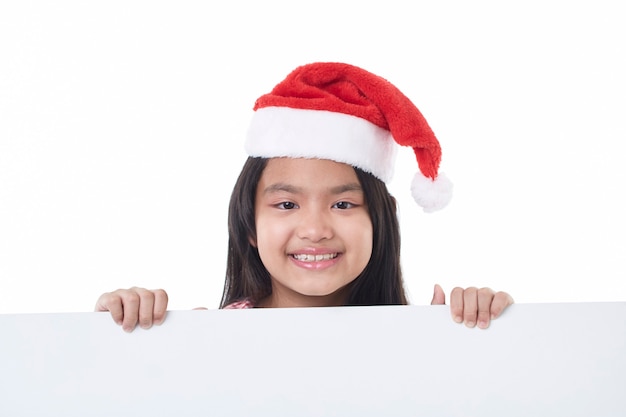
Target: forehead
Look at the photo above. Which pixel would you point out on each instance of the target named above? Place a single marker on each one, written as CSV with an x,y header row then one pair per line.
x,y
303,171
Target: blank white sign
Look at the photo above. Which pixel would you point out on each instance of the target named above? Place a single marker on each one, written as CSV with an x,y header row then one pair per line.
x,y
565,359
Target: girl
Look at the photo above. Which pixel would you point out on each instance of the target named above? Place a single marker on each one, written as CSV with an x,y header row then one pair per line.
x,y
311,222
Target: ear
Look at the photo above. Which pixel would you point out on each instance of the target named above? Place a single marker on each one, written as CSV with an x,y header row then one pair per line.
x,y
252,241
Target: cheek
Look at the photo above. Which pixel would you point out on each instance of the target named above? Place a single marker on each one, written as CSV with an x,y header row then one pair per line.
x,y
368,244
269,234
361,236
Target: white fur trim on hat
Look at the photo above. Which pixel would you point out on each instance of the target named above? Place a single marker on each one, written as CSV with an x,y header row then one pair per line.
x,y
288,132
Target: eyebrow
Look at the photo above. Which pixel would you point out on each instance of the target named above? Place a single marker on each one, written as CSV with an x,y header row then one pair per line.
x,y
284,187
353,186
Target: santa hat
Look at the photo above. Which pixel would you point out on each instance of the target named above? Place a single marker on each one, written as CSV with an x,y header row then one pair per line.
x,y
343,113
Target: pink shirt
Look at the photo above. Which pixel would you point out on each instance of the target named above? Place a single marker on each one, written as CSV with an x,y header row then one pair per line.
x,y
240,304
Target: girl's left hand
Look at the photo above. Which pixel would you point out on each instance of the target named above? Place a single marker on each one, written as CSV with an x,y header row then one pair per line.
x,y
473,306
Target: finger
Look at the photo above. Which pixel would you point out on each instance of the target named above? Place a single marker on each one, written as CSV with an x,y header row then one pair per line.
x,y
485,297
439,297
146,307
111,303
130,303
160,306
456,304
501,301
470,306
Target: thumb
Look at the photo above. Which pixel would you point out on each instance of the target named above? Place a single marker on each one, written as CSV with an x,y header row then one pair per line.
x,y
439,297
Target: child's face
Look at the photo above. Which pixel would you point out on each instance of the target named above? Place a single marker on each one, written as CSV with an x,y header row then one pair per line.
x,y
314,233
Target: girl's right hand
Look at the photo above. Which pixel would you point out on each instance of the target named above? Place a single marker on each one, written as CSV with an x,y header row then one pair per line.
x,y
134,305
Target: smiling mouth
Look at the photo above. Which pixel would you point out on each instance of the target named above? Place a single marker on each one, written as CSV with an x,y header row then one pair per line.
x,y
314,258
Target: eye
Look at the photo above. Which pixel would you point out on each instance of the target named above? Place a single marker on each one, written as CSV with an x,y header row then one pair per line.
x,y
286,205
343,205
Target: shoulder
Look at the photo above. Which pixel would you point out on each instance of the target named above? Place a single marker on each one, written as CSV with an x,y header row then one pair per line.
x,y
246,303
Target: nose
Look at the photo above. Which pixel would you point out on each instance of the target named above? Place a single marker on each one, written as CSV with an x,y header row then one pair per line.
x,y
315,225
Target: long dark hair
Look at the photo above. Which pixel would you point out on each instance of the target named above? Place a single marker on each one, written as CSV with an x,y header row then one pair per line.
x,y
380,282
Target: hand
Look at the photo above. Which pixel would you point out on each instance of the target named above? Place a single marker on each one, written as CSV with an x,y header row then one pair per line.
x,y
134,305
472,305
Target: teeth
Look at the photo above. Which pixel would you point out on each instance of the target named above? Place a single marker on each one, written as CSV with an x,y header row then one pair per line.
x,y
315,258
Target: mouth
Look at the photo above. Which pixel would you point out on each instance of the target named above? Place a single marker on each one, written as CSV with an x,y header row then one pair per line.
x,y
303,257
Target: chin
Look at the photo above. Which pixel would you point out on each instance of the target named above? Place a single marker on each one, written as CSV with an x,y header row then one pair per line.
x,y
330,292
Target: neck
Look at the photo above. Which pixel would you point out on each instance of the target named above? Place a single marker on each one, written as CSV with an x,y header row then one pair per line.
x,y
282,299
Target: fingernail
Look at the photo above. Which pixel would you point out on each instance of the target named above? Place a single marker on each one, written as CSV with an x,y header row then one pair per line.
x,y
458,319
470,324
482,324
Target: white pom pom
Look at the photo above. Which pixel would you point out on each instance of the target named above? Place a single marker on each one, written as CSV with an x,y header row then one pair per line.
x,y
431,195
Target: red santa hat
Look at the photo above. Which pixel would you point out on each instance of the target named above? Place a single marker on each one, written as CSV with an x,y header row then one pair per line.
x,y
343,113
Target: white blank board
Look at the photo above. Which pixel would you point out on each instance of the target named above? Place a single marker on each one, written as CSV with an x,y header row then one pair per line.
x,y
566,359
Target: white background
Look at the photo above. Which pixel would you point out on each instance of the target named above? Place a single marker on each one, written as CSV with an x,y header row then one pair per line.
x,y
122,126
